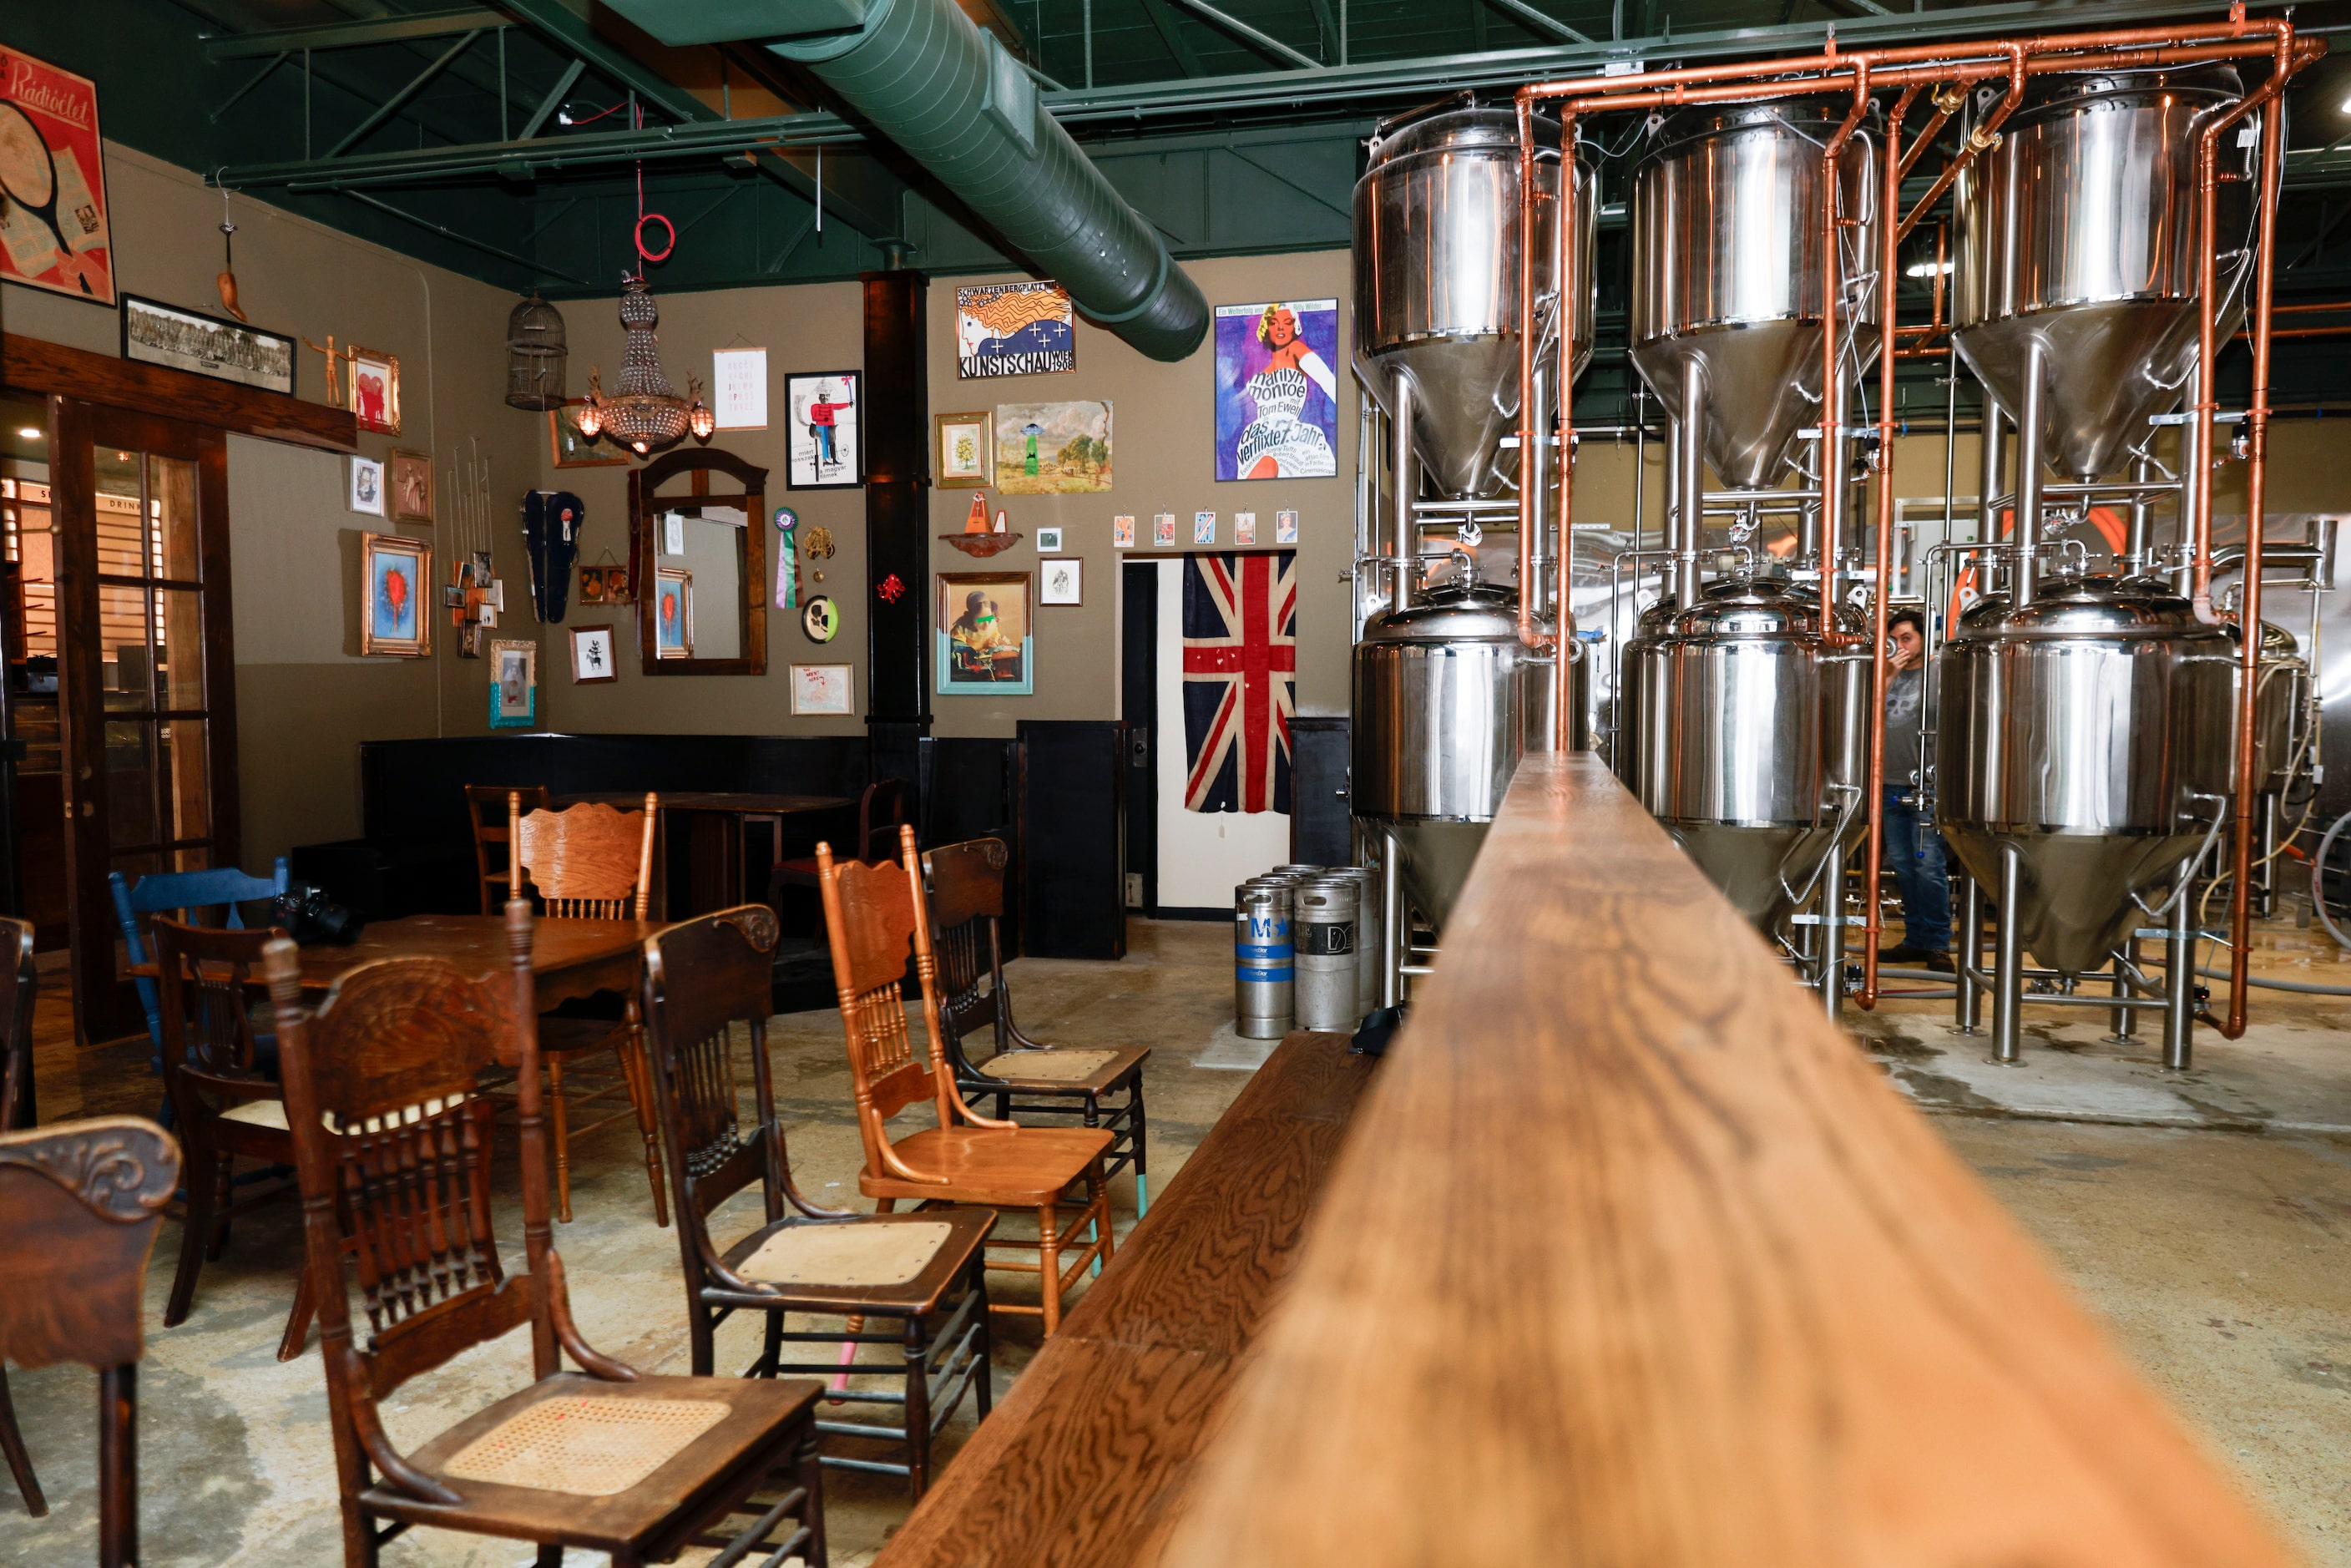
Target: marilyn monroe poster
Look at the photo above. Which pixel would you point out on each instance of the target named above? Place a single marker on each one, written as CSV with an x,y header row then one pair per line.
x,y
1277,396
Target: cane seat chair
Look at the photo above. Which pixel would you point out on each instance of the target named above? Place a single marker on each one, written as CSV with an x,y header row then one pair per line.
x,y
380,1089
875,915
226,1102
79,1205
590,863
1029,1080
705,986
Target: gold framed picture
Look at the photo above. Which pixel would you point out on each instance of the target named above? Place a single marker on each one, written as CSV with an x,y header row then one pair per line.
x,y
672,612
394,574
410,485
375,391
572,450
966,450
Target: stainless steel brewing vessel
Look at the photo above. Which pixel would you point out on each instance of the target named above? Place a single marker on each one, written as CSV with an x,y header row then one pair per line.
x,y
2090,732
1726,277
1447,700
1437,253
2076,245
1743,731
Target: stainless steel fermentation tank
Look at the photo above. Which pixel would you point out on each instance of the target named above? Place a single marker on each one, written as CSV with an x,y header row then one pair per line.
x,y
1447,696
2084,724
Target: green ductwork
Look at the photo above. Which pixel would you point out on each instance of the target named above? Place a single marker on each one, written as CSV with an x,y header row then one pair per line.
x,y
927,77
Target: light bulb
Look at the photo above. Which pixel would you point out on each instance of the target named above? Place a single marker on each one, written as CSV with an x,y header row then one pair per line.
x,y
701,421
591,421
29,432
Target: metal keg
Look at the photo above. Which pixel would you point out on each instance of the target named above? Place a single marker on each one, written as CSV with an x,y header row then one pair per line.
x,y
1300,869
1368,933
1264,961
1328,966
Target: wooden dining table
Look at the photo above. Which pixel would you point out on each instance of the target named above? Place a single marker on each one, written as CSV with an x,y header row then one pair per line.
x,y
568,959
715,823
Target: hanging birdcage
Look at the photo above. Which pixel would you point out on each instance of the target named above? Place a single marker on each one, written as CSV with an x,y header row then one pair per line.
x,y
536,355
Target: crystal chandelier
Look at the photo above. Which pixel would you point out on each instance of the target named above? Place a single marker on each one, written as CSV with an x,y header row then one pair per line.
x,y
646,411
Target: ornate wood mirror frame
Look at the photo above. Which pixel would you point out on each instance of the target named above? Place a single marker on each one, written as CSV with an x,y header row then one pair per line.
x,y
651,491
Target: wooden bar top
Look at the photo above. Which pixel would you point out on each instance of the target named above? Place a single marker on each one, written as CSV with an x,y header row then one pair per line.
x,y
1082,1462
1631,1257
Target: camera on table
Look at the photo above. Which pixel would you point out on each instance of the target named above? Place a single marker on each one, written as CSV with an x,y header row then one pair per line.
x,y
306,914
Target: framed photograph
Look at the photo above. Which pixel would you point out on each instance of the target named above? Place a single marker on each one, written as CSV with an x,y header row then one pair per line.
x,y
594,659
1244,527
393,575
966,457
1052,448
1049,542
824,689
1277,395
821,449
158,334
672,612
53,227
1061,580
410,476
375,391
1285,527
573,450
514,685
1024,329
367,487
982,632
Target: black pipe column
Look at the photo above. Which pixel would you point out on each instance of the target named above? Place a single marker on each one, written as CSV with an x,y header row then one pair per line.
x,y
895,419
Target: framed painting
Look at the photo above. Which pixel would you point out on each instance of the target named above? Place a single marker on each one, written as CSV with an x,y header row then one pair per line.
x,y
572,450
824,689
593,658
514,685
1277,395
393,571
982,631
821,449
967,455
53,224
1024,329
157,334
375,391
1052,448
672,612
410,485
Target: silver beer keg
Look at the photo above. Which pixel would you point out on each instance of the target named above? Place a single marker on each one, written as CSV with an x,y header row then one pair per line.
x,y
1264,961
1329,969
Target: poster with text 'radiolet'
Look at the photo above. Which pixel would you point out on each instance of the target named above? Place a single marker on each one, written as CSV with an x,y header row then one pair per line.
x,y
1277,396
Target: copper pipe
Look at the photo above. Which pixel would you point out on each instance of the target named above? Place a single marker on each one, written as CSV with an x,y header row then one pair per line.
x,y
1983,136
1832,470
1946,103
1563,459
1872,922
2311,310
2340,332
1527,367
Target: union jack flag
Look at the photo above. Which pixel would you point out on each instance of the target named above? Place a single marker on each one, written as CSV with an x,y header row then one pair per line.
x,y
1240,669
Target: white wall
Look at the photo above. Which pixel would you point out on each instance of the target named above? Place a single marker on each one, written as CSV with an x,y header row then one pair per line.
x,y
1202,854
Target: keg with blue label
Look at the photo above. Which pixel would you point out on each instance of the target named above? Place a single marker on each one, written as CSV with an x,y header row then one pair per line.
x,y
1264,961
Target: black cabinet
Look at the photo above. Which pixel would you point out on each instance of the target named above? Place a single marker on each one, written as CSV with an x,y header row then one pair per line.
x,y
1072,844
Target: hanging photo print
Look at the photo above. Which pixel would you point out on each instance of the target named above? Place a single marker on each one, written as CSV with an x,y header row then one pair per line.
x,y
821,451
53,230
982,633
1122,532
1052,448
1277,396
1014,329
367,487
594,661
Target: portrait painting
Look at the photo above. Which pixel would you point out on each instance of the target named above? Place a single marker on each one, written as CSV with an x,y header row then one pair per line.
x,y
514,685
820,448
410,485
375,391
672,612
982,628
1052,448
1277,395
393,575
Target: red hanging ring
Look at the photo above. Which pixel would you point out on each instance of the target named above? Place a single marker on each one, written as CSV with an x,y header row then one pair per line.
x,y
640,236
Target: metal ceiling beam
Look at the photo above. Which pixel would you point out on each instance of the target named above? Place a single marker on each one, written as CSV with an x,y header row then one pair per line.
x,y
568,31
1550,27
393,105
1162,19
1265,43
351,35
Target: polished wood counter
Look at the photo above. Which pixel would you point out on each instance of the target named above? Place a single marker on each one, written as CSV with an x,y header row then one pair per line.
x,y
1631,1257
1082,1462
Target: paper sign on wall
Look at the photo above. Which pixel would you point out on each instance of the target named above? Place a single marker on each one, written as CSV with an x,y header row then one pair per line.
x,y
740,385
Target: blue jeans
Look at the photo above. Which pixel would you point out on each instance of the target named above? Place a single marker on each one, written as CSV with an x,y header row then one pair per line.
x,y
1917,851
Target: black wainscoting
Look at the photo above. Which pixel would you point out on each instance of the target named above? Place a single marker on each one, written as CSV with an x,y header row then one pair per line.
x,y
1071,848
1321,822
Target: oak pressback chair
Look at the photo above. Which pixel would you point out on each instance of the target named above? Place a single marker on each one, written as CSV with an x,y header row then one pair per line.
x,y
389,1130
591,862
226,1102
875,914
80,1205
706,982
486,807
1029,1080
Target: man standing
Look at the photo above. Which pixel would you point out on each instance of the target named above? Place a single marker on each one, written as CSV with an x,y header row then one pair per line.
x,y
823,417
1911,842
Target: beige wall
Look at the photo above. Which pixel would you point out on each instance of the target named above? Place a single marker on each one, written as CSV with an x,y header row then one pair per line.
x,y
305,697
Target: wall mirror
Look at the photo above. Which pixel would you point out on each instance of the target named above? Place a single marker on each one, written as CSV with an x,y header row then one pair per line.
x,y
700,554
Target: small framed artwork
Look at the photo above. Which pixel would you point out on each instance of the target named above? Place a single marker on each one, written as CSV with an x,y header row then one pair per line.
x,y
823,689
1060,581
157,334
514,685
966,450
1049,542
739,388
593,659
1163,530
573,450
392,574
375,391
982,634
1244,527
367,487
410,479
1285,527
821,449
1122,533
1204,528
672,612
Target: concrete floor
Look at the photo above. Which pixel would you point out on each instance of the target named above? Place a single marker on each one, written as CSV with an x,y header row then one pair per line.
x,y
2205,1213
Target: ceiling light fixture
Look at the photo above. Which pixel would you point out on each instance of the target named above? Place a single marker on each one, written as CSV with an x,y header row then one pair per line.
x,y
646,412
1925,268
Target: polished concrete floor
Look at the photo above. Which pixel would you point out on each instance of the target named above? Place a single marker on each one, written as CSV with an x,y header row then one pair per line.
x,y
2207,1214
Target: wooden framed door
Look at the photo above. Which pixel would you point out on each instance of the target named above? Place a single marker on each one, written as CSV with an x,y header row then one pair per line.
x,y
147,699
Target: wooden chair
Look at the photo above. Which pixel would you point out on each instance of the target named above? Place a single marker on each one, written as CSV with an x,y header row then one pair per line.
x,y
387,1127
226,1103
16,1111
487,805
701,980
1028,1078
880,812
590,863
873,913
80,1204
189,895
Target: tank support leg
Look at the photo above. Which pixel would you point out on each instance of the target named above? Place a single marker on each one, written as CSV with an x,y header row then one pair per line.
x,y
1394,938
1832,929
1966,1011
2121,1033
2008,974
2265,878
2179,978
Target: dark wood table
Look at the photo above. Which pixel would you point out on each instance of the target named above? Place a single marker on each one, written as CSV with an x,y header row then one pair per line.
x,y
568,959
714,823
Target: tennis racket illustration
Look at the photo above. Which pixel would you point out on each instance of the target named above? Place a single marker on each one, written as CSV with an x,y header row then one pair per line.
x,y
28,177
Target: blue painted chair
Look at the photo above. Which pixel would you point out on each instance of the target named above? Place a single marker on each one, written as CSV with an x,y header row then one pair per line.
x,y
184,895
